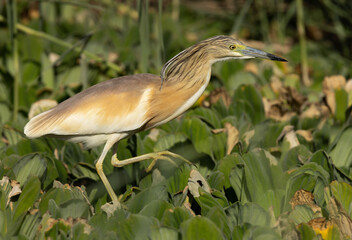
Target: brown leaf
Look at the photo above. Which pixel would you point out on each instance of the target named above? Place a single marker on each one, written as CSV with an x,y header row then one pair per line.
x,y
217,94
330,84
69,222
195,181
320,224
110,207
41,106
334,82
306,134
301,197
340,217
289,135
16,190
218,130
277,110
153,134
251,67
311,112
232,137
348,86
276,85
294,99
248,135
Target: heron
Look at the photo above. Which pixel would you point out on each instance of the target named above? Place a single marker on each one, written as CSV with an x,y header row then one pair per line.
x,y
118,108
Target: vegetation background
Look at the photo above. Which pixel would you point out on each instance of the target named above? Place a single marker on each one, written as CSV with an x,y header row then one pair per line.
x,y
271,142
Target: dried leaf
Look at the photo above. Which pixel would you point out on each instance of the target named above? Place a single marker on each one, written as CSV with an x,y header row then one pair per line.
x,y
334,82
339,217
303,197
306,134
251,67
16,190
196,181
348,86
220,93
153,134
312,111
248,135
276,110
321,226
276,85
41,106
69,222
232,137
111,207
289,135
330,84
218,130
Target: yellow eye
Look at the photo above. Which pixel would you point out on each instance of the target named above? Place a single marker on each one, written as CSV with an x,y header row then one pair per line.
x,y
232,47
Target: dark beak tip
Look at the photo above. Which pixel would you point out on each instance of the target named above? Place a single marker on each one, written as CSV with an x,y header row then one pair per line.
x,y
276,58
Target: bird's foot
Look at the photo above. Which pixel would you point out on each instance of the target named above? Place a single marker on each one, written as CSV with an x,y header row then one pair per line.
x,y
164,155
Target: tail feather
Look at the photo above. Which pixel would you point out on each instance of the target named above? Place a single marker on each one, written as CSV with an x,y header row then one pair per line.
x,y
39,125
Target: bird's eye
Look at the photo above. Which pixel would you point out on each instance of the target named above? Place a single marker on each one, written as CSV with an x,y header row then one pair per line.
x,y
232,47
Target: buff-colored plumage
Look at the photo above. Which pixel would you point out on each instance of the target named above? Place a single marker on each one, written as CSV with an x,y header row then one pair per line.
x,y
120,107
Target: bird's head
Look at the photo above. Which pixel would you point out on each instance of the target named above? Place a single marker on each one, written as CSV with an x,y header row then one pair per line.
x,y
225,48
209,51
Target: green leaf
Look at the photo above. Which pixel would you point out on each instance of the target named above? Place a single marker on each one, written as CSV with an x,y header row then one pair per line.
x,y
301,214
164,233
30,165
75,208
12,136
341,103
295,157
341,154
200,228
136,226
217,180
156,208
61,196
199,134
343,193
167,141
140,200
261,233
206,201
306,232
248,213
178,181
207,115
30,225
254,179
28,196
247,100
238,78
309,177
225,166
47,72
218,216
174,218
266,134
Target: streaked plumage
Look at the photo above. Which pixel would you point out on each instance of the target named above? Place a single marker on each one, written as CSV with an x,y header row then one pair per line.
x,y
117,108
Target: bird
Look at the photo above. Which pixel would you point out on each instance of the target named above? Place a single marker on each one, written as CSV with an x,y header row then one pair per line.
x,y
117,108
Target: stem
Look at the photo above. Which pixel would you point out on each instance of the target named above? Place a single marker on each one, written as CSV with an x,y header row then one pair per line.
x,y
12,16
60,42
302,42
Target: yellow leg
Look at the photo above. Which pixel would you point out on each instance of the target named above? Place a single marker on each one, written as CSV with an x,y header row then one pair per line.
x,y
99,167
164,155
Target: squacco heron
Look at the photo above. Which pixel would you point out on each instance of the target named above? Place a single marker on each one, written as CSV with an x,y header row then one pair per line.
x,y
115,109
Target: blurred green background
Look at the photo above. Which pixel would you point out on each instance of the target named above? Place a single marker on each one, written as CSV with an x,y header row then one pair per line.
x,y
273,140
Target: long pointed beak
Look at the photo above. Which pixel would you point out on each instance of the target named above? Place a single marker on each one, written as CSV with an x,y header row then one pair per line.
x,y
253,52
